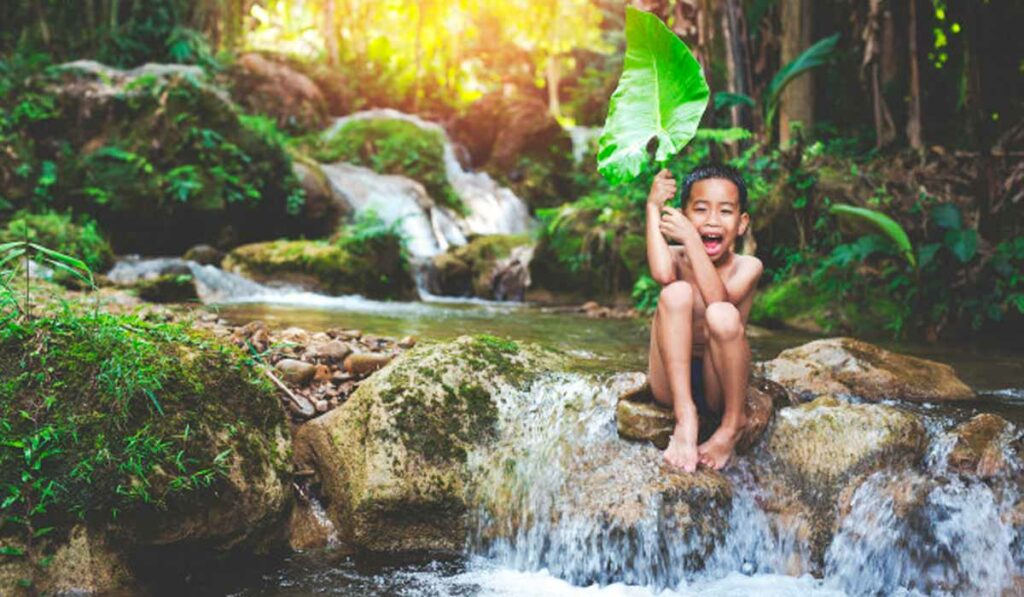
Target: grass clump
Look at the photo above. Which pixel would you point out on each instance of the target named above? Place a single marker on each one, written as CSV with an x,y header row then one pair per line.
x,y
61,233
391,146
109,418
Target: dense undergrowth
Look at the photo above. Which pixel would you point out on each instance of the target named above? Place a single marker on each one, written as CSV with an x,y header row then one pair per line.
x,y
161,161
105,419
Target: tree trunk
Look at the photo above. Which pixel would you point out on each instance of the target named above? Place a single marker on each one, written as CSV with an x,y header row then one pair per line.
x,y
736,62
885,131
554,76
331,33
44,29
914,133
419,57
797,102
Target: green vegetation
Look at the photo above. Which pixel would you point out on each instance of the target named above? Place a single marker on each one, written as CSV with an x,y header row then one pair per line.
x,y
392,146
59,232
366,257
107,418
162,164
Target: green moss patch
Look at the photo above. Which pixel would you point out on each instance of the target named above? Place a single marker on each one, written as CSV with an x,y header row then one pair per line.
x,y
114,420
391,146
59,232
376,267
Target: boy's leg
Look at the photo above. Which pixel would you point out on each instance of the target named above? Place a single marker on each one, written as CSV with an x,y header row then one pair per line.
x,y
730,354
671,350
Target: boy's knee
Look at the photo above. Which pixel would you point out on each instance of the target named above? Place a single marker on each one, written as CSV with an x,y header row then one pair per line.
x,y
675,296
724,321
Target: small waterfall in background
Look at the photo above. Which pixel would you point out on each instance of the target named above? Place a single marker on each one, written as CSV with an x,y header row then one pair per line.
x,y
428,228
493,209
583,139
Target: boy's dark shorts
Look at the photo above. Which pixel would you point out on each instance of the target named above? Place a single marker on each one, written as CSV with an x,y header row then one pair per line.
x,y
697,389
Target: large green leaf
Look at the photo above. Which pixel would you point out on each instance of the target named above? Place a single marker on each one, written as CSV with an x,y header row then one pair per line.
x,y
890,227
812,57
662,94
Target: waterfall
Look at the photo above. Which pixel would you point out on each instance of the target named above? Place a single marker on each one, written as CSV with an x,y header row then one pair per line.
x,y
582,138
493,209
559,493
428,228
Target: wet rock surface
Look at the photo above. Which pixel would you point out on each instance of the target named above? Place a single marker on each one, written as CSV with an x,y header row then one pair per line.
x,y
639,417
849,367
982,446
390,462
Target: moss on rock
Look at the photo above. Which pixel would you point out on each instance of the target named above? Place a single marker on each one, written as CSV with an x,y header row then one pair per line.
x,y
469,270
160,157
376,267
393,146
392,460
168,288
157,435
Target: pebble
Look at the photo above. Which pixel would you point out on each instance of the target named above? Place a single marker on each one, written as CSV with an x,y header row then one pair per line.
x,y
363,363
322,374
334,351
407,342
322,406
295,372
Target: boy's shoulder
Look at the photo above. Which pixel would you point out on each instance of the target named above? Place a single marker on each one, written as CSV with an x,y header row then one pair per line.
x,y
748,263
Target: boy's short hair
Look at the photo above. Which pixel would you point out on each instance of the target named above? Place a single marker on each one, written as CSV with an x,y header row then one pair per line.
x,y
706,171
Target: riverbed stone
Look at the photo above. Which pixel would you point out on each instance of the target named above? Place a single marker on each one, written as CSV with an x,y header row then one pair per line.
x,y
492,266
333,351
850,367
168,288
364,363
981,446
824,442
295,372
391,460
639,417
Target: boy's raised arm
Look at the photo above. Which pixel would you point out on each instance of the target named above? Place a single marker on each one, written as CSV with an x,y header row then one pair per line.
x,y
659,256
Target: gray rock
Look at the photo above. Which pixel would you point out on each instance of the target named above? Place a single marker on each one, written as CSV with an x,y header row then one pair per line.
x,y
295,372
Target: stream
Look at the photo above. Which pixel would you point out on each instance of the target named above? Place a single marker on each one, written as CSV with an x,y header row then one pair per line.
x,y
962,537
562,506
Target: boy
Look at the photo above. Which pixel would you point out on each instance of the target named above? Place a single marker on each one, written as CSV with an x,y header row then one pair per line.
x,y
700,360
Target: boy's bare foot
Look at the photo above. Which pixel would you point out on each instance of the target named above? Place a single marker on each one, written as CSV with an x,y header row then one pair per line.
x,y
717,451
681,454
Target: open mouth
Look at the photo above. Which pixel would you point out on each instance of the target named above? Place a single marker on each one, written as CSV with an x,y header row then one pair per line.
x,y
712,242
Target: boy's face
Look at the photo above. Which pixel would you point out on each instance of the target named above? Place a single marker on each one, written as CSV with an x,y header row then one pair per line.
x,y
714,209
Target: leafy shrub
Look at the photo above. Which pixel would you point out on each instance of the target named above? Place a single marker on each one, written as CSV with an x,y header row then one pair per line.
x,y
177,165
392,146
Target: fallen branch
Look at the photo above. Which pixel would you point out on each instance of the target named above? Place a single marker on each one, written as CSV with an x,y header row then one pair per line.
x,y
302,404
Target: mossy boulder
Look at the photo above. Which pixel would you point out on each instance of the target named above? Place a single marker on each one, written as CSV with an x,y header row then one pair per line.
x,y
159,155
392,460
375,267
168,288
519,142
394,146
589,251
60,232
850,367
159,441
820,451
791,303
265,84
489,267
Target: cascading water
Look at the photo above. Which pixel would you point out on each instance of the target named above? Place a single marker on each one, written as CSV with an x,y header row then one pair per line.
x,y
492,209
560,492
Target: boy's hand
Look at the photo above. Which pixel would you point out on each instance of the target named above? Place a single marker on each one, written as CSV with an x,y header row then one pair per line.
x,y
662,189
675,226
